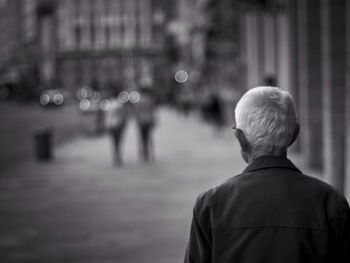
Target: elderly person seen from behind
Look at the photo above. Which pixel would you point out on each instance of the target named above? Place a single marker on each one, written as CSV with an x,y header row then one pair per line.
x,y
271,212
265,122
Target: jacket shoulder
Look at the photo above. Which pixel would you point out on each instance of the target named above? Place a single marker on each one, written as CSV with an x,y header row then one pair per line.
x,y
326,191
209,197
333,201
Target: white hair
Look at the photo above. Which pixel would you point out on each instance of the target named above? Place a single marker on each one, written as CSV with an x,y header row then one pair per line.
x,y
267,117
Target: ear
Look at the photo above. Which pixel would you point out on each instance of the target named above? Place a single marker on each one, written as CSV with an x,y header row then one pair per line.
x,y
295,135
242,139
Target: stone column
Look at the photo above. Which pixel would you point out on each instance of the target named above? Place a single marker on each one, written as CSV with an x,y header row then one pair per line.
x,y
269,45
293,58
260,46
333,17
254,49
309,75
243,79
347,112
283,48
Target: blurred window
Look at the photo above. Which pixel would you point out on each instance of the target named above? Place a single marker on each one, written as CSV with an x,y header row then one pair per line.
x,y
115,24
145,23
29,21
130,23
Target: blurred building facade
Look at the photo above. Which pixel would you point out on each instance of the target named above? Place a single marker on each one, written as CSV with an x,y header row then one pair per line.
x,y
215,43
111,42
75,43
227,45
9,37
16,53
223,39
236,53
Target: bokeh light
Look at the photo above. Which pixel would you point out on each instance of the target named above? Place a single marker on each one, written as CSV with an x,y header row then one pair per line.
x,y
83,93
84,105
134,96
105,105
58,99
44,99
123,97
181,76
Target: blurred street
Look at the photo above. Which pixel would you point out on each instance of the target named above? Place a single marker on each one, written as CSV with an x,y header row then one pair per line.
x,y
20,122
80,208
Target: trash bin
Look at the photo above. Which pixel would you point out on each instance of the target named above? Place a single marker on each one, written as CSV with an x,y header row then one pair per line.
x,y
43,144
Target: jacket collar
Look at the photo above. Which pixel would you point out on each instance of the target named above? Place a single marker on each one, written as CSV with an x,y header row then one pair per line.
x,y
265,162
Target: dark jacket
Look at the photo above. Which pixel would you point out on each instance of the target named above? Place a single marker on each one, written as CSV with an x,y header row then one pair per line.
x,y
270,213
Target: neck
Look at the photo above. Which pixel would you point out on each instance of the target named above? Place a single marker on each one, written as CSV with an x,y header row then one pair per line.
x,y
252,157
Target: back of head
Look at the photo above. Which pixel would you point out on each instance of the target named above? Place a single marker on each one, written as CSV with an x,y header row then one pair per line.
x,y
267,117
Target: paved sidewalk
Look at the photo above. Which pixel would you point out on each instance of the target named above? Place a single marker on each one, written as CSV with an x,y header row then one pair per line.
x,y
82,209
21,121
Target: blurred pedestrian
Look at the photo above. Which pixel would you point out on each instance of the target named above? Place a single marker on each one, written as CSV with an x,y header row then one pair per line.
x,y
116,120
146,121
271,212
270,80
213,112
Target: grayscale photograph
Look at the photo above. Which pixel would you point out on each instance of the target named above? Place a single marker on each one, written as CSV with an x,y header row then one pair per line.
x,y
174,131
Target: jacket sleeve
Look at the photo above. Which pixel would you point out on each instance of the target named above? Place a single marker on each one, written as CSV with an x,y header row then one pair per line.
x,y
199,248
340,232
344,239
